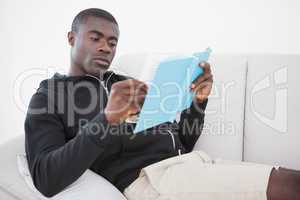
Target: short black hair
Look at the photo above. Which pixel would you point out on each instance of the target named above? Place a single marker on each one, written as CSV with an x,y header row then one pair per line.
x,y
83,15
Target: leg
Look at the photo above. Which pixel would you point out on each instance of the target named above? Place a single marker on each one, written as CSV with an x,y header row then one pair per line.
x,y
195,176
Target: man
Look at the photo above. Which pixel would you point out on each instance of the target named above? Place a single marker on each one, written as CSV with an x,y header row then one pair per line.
x,y
77,122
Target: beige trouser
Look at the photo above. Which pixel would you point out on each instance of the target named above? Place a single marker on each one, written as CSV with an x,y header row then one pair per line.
x,y
195,176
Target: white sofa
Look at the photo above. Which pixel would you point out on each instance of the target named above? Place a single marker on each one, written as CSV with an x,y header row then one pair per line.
x,y
252,114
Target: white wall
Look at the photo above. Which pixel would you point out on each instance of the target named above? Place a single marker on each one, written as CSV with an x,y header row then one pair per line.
x,y
33,36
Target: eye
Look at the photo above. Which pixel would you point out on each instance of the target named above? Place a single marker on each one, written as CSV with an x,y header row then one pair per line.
x,y
112,44
94,39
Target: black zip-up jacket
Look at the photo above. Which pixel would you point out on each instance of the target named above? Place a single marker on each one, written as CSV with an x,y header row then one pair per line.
x,y
63,140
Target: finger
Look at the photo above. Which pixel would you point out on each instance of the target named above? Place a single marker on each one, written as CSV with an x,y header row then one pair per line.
x,y
203,93
204,88
136,100
133,114
201,79
130,102
142,87
207,72
205,66
132,92
134,109
131,83
139,99
136,83
201,98
138,86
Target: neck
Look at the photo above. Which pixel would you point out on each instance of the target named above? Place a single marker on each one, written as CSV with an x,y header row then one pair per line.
x,y
76,71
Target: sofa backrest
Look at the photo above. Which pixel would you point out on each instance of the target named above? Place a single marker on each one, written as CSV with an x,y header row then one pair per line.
x,y
272,122
222,135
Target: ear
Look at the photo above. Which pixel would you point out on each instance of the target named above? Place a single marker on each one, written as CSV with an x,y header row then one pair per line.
x,y
71,38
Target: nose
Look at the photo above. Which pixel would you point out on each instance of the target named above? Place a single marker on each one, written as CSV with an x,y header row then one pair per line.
x,y
104,47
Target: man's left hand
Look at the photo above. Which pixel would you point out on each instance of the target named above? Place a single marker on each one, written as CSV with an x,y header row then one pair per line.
x,y
203,84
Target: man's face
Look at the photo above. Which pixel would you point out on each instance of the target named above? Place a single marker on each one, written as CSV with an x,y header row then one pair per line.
x,y
94,45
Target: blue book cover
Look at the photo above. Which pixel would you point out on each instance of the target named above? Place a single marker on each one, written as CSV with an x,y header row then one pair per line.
x,y
169,92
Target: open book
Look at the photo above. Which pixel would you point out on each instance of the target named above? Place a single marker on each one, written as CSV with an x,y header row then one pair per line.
x,y
169,92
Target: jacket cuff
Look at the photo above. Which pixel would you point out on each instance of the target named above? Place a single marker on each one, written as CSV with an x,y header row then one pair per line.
x,y
198,107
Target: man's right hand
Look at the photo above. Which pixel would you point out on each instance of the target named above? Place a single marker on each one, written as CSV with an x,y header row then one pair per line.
x,y
126,98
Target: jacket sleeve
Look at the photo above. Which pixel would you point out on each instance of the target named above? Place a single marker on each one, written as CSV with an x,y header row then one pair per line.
x,y
54,163
191,124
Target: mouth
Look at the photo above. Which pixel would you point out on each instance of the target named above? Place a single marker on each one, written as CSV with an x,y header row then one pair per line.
x,y
102,61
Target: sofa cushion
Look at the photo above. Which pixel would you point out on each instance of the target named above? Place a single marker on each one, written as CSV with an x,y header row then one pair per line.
x,y
272,110
88,186
10,180
6,195
13,182
222,135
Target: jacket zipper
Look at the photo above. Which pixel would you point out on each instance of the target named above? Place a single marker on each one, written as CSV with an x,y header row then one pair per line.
x,y
104,84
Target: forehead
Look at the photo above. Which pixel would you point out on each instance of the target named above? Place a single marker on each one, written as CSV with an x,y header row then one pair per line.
x,y
99,24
